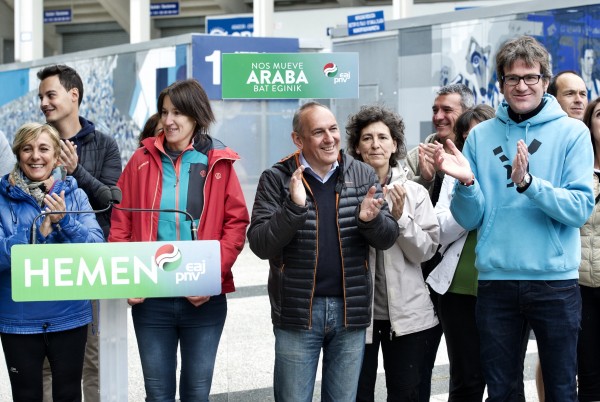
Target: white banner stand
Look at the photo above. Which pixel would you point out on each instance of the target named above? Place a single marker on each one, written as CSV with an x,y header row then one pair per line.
x,y
113,350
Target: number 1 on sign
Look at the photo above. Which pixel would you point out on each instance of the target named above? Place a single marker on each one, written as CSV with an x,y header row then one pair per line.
x,y
215,59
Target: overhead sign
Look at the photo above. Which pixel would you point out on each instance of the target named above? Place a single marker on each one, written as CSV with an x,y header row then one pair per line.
x,y
290,75
207,51
366,23
238,26
115,270
52,16
162,9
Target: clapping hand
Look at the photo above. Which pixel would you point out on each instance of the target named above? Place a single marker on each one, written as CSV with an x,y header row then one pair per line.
x,y
54,203
519,166
68,156
453,162
370,206
397,194
297,190
426,165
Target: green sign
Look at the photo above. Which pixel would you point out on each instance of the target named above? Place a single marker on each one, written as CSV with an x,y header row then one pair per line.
x,y
115,270
289,75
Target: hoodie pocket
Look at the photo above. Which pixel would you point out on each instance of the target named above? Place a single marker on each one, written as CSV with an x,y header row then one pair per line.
x,y
519,238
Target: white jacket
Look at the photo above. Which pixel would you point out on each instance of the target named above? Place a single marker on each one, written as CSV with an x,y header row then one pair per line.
x,y
452,239
409,304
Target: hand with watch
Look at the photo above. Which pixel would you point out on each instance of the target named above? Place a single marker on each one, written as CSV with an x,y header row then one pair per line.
x,y
524,184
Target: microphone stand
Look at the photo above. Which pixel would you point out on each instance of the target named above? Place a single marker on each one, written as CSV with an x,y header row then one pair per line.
x,y
194,229
44,213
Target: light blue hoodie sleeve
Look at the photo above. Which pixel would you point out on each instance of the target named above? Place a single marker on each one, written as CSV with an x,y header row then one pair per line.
x,y
468,203
572,203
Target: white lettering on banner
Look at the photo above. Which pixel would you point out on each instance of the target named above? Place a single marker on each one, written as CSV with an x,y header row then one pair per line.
x,y
268,77
139,266
67,273
342,78
43,272
372,28
364,16
277,88
194,270
91,276
116,269
60,273
261,66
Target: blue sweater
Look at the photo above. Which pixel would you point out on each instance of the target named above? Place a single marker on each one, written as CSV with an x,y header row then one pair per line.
x,y
532,235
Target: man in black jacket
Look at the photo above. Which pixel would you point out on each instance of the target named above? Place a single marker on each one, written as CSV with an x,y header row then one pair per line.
x,y
94,160
315,215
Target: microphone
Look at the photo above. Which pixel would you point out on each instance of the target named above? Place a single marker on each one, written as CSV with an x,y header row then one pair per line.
x,y
116,197
104,197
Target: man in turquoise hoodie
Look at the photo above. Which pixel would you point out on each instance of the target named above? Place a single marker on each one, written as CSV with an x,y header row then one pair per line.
x,y
524,181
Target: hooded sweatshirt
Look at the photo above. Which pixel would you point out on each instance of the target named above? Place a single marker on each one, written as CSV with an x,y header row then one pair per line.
x,y
532,235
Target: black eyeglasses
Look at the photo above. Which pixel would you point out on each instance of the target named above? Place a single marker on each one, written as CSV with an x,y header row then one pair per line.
x,y
529,79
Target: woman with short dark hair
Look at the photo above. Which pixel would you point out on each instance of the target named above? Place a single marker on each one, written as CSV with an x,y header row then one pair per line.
x,y
183,168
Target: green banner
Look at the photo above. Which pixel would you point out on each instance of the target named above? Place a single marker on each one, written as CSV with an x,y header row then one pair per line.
x,y
289,75
115,270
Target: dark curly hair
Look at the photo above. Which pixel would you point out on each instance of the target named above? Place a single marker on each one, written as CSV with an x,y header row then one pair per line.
x,y
372,114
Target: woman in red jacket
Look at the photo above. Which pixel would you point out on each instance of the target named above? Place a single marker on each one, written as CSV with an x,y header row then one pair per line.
x,y
182,168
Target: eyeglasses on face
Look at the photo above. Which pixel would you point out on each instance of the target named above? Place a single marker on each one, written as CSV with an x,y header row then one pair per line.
x,y
529,79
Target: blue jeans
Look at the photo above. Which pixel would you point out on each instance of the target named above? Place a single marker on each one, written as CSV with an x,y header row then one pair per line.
x,y
163,323
297,356
553,310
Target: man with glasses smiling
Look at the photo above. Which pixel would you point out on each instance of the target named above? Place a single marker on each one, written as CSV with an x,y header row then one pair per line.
x,y
524,182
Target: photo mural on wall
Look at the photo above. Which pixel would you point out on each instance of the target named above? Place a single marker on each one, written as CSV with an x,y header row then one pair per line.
x,y
571,36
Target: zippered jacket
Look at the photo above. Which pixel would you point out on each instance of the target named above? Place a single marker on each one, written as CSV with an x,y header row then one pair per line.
x,y
286,234
409,305
99,165
209,191
17,211
589,271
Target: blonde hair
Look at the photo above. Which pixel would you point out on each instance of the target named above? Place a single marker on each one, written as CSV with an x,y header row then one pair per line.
x,y
30,132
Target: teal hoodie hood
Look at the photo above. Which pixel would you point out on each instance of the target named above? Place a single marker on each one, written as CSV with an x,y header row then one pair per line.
x,y
533,235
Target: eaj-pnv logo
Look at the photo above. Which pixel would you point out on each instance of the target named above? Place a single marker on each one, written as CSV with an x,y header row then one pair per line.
x,y
168,257
330,69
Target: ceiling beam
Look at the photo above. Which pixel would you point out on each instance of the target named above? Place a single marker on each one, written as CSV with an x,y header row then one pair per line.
x,y
234,7
119,10
351,3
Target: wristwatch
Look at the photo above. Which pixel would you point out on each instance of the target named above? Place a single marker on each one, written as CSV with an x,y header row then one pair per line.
x,y
525,182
